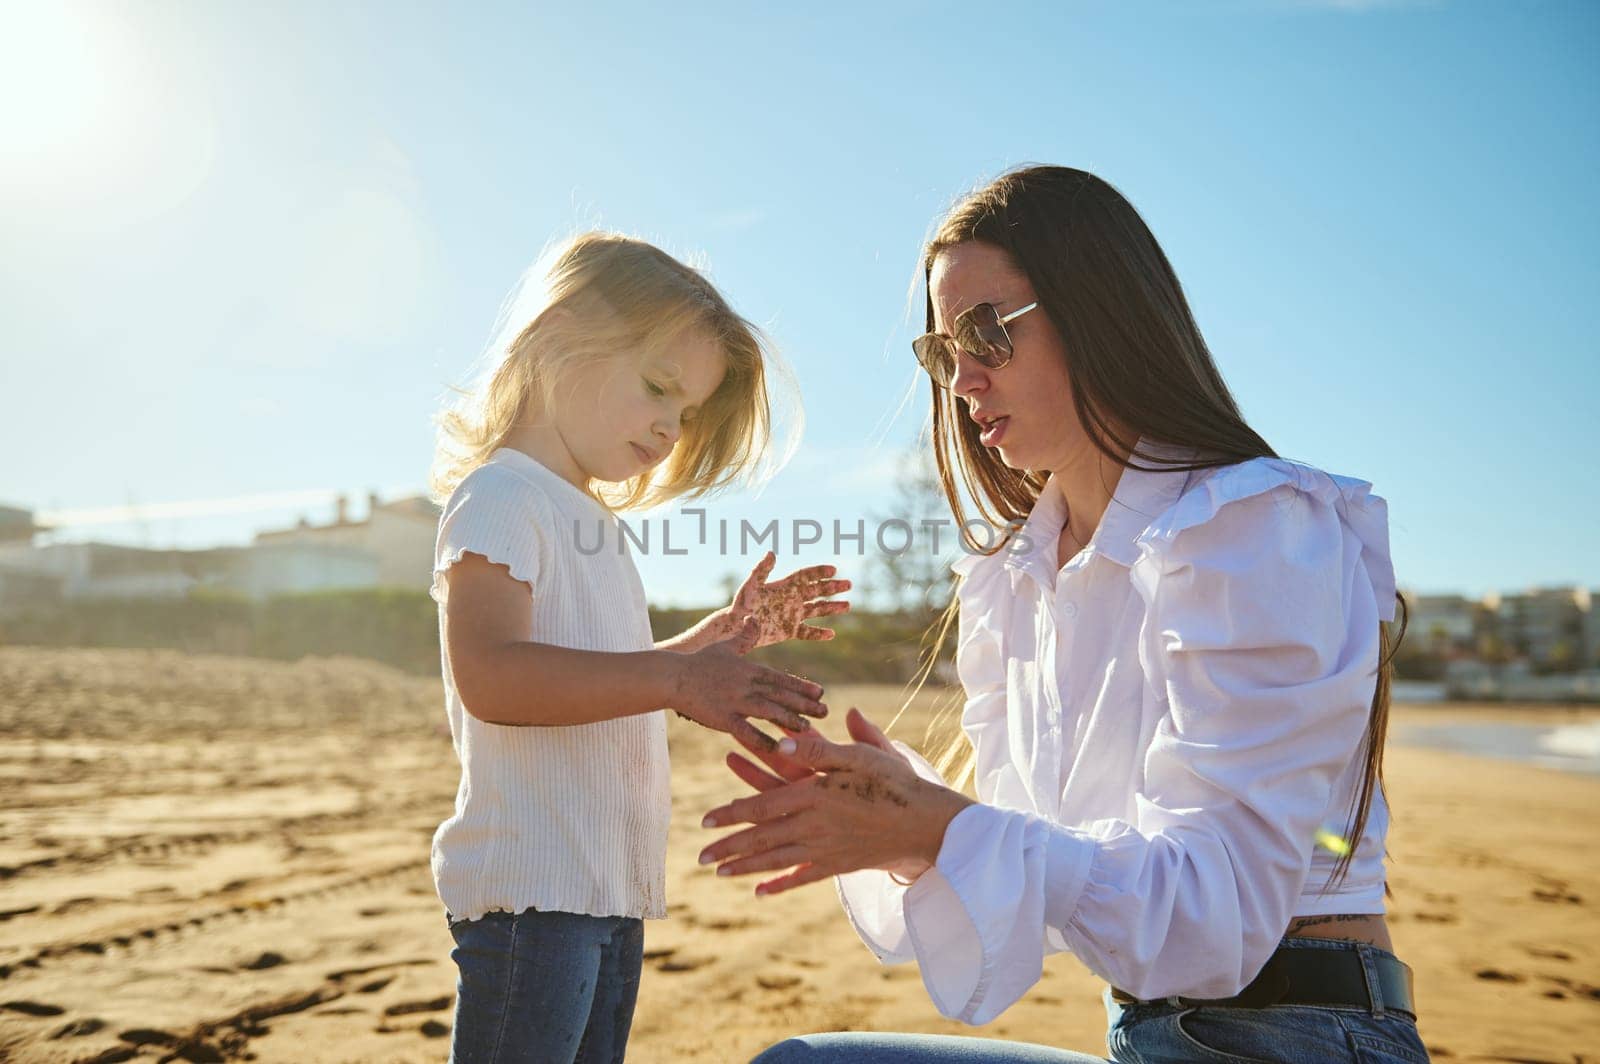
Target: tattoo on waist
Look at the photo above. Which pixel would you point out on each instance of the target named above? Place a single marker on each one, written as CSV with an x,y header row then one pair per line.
x,y
1300,923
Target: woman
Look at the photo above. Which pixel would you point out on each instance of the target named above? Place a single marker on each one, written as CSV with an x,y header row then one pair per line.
x,y
1175,678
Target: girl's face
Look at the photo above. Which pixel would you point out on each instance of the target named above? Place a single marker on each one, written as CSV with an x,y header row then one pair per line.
x,y
622,416
1032,392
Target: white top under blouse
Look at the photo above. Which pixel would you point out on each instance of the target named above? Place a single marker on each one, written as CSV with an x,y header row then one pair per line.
x,y
569,818
1161,729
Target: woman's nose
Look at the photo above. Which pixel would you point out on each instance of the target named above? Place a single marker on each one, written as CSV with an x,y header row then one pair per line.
x,y
667,433
970,376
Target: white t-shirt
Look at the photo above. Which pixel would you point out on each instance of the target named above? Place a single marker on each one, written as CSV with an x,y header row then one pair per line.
x,y
1162,726
561,819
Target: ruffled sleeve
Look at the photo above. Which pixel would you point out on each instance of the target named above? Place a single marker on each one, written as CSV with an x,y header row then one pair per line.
x,y
1264,585
496,514
874,902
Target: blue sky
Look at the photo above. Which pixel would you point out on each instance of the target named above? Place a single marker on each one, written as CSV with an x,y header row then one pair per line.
x,y
245,248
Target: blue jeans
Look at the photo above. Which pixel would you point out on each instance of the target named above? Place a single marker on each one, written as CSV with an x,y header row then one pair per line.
x,y
544,987
1158,1033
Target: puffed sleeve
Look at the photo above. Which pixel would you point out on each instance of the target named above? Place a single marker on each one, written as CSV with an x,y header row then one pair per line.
x,y
494,513
1264,593
981,668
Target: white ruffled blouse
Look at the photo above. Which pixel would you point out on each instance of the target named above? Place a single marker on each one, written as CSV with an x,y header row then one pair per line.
x,y
1164,729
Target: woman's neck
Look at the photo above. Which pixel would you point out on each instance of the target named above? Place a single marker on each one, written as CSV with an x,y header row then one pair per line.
x,y
1087,484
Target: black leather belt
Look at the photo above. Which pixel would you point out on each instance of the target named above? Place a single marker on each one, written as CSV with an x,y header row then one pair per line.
x,y
1312,977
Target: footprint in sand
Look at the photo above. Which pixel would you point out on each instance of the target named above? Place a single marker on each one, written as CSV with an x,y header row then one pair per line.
x,y
798,962
683,964
32,1008
1557,894
266,960
1549,953
406,1008
79,1028
1568,986
1496,975
777,982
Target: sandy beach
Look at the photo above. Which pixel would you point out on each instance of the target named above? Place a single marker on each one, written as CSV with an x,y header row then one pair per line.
x,y
208,858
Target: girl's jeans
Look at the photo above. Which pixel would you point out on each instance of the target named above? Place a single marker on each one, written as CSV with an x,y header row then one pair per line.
x,y
545,987
1158,1033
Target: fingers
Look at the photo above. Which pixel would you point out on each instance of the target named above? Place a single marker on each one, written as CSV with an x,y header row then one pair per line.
x,y
751,773
814,751
763,568
828,587
758,809
863,730
815,574
744,640
788,768
819,609
771,861
752,738
789,682
808,873
784,717
751,841
789,703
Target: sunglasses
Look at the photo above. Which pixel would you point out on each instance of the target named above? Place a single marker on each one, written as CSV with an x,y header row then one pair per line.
x,y
980,331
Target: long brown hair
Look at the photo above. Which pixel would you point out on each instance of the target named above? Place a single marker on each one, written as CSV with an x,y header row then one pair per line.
x,y
1139,367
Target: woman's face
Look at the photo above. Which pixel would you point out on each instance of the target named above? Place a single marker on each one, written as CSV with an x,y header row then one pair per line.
x,y
1032,392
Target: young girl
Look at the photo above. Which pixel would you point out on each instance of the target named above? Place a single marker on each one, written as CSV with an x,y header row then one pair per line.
x,y
1175,676
631,383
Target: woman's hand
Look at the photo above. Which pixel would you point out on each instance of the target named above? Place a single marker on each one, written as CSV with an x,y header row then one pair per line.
x,y
830,808
781,608
716,687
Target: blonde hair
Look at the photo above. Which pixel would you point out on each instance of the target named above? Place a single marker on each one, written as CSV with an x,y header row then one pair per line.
x,y
606,296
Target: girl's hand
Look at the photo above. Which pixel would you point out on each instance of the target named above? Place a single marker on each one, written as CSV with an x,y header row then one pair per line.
x,y
782,607
717,688
831,808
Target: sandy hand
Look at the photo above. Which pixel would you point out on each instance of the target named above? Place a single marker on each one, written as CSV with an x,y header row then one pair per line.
x,y
718,688
781,608
828,808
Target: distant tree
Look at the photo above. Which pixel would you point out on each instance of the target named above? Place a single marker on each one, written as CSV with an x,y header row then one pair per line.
x,y
913,576
1493,650
1563,657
